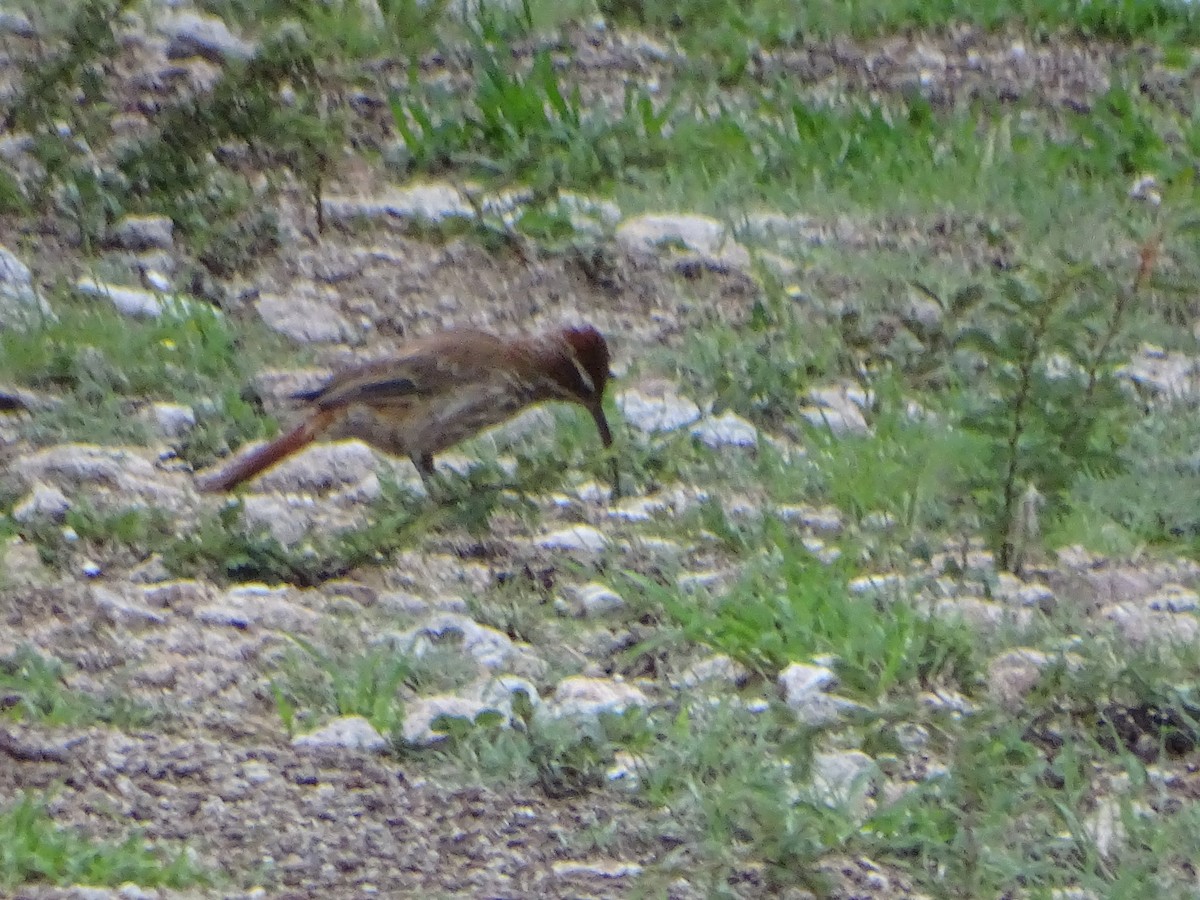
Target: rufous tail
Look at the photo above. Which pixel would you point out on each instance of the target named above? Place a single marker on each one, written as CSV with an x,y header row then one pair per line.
x,y
267,455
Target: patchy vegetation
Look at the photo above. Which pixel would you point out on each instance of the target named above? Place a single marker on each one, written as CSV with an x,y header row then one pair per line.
x,y
899,596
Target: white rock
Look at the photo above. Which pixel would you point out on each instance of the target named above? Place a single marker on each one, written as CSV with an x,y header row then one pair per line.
x,y
823,520
125,473
840,394
818,548
847,420
139,233
637,509
596,599
708,579
13,148
589,214
595,869
653,414
1142,626
1147,188
258,605
593,492
838,407
800,681
403,603
911,736
805,692
222,614
947,701
421,202
878,521
702,235
288,518
843,778
42,502
1035,594
490,648
1105,825
350,732
256,592
193,34
888,584
1170,375
17,25
727,430
982,615
157,280
420,715
305,320
719,668
624,771
1013,674
131,301
580,696
663,549
123,611
173,420
20,304
575,539
1174,598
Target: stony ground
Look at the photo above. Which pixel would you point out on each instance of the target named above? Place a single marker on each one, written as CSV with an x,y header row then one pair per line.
x,y
197,751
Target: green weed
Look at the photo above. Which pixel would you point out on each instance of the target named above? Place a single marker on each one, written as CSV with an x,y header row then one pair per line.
x,y
33,849
525,126
774,22
735,780
312,683
34,691
789,607
169,172
104,366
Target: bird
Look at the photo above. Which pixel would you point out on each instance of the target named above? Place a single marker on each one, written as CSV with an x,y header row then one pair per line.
x,y
439,390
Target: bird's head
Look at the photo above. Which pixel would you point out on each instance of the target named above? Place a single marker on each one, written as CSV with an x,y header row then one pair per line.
x,y
578,364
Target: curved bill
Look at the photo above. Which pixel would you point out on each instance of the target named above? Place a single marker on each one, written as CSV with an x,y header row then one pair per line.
x,y
602,425
607,440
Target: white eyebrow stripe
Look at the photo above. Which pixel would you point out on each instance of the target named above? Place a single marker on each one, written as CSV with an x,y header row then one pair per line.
x,y
583,375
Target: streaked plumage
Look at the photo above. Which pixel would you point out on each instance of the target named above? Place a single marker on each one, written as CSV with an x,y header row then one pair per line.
x,y
438,391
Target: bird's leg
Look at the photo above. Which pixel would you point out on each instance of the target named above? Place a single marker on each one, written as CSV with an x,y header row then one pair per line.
x,y
437,486
425,468
616,480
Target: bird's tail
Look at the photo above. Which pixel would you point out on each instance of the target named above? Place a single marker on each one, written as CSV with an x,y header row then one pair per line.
x,y
267,455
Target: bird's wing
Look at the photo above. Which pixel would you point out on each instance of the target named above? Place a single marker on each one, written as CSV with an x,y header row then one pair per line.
x,y
425,369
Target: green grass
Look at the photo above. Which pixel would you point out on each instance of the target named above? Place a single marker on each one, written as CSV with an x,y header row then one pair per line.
x,y
789,607
733,779
1007,223
776,22
1017,802
35,692
105,366
313,683
33,849
729,26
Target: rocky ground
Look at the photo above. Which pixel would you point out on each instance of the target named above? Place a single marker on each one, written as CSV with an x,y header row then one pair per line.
x,y
186,733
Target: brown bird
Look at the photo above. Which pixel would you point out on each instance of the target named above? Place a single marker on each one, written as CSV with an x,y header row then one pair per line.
x,y
440,390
